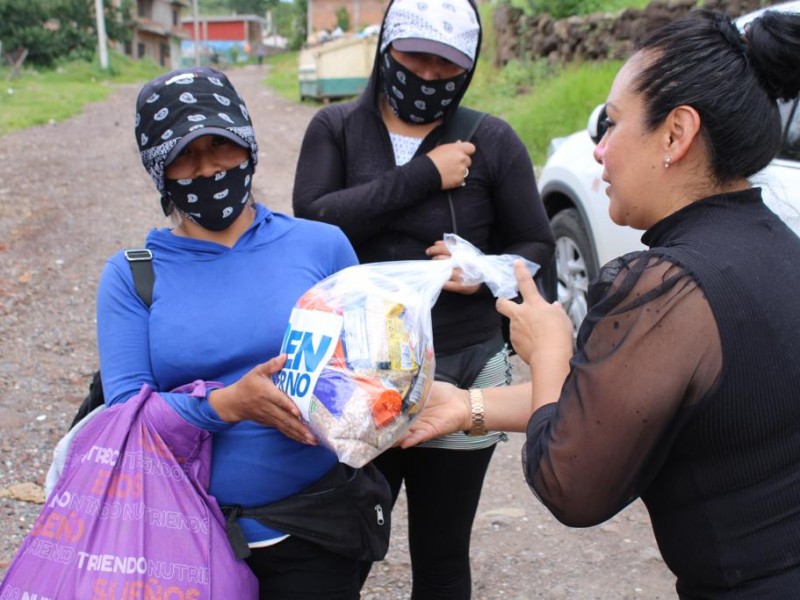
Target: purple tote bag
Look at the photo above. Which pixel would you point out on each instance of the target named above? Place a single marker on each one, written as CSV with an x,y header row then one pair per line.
x,y
130,516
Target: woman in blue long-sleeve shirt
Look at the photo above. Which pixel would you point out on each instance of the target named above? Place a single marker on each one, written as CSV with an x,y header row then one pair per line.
x,y
227,274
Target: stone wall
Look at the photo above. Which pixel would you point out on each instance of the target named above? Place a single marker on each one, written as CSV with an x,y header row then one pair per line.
x,y
593,37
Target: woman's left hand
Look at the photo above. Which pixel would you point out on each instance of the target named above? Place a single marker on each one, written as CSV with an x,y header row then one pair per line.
x,y
439,252
447,410
255,397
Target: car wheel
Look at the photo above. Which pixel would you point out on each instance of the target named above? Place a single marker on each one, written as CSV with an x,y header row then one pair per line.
x,y
575,264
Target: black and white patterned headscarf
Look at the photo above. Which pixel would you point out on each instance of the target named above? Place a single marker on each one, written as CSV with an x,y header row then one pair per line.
x,y
448,28
180,106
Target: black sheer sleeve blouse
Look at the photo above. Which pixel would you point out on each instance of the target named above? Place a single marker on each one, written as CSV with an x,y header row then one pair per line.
x,y
651,351
684,392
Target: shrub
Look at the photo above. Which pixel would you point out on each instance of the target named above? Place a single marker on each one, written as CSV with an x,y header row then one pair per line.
x,y
559,9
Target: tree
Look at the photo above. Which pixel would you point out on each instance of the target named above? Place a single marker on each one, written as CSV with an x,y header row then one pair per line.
x,y
248,7
343,18
52,30
300,32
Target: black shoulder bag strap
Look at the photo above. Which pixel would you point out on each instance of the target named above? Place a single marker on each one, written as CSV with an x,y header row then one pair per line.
x,y
462,126
141,263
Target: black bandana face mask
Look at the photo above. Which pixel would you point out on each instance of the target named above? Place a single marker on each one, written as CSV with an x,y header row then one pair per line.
x,y
416,100
212,202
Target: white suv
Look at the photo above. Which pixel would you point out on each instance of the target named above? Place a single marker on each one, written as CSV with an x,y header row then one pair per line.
x,y
575,199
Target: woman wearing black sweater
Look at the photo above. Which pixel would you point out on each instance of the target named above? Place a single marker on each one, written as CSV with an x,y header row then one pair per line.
x,y
381,169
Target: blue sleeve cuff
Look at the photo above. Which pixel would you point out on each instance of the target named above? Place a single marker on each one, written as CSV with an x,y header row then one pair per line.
x,y
201,413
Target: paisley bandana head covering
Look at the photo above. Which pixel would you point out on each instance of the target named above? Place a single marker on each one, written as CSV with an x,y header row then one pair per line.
x,y
180,106
212,202
414,99
448,28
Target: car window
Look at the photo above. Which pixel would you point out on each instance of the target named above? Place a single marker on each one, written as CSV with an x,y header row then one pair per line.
x,y
790,115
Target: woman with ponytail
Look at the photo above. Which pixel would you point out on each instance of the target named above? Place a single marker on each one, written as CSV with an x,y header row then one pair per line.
x,y
685,387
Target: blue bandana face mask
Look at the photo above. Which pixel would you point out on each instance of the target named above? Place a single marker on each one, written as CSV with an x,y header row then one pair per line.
x,y
212,202
416,100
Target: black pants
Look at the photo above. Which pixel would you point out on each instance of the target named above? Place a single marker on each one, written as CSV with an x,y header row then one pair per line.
x,y
443,488
298,570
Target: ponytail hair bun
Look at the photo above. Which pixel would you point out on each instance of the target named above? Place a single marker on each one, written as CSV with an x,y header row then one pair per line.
x,y
732,76
773,46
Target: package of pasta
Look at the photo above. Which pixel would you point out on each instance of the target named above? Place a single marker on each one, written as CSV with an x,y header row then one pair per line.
x,y
359,346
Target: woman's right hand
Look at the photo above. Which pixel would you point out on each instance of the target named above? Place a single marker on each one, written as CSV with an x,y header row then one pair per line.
x,y
453,162
447,410
256,398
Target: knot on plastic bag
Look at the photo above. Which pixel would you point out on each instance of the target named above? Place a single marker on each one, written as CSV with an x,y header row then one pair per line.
x,y
495,270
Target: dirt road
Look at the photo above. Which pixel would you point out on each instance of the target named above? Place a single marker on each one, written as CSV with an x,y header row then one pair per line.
x,y
70,195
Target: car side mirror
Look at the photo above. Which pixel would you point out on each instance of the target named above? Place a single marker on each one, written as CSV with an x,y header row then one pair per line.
x,y
597,123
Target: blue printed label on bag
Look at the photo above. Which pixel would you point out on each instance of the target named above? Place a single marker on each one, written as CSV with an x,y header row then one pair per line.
x,y
309,343
334,390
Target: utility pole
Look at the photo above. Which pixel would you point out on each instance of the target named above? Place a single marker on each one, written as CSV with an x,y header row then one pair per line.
x,y
102,39
309,18
196,11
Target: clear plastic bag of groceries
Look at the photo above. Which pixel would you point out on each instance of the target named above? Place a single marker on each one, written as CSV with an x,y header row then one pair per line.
x,y
359,345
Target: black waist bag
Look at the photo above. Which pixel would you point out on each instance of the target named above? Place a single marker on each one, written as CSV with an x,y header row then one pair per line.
x,y
462,367
347,512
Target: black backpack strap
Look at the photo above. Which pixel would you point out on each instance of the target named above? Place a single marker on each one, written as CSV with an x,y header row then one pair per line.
x,y
141,262
463,125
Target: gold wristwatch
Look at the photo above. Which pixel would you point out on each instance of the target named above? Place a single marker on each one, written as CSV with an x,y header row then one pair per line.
x,y
476,405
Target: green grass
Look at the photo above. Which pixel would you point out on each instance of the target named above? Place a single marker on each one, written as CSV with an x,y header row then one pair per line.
x,y
282,74
615,5
540,103
38,97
